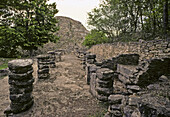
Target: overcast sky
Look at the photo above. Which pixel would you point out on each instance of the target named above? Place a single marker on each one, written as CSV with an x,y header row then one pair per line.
x,y
75,9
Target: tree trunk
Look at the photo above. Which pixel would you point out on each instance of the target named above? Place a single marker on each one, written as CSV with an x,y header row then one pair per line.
x,y
165,14
31,52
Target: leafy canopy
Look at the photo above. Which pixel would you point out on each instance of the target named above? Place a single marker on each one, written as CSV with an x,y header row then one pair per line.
x,y
28,24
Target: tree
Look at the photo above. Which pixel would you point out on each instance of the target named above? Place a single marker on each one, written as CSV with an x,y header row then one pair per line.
x,y
33,22
118,18
95,37
36,23
8,46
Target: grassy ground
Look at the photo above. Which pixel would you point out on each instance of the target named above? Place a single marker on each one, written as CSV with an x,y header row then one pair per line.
x,y
4,62
101,113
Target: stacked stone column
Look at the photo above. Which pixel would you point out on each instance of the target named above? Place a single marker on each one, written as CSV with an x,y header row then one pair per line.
x,y
90,59
21,85
52,59
116,104
104,83
43,66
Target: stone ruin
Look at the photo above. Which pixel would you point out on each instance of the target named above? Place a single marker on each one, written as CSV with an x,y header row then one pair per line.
x,y
21,86
21,79
132,87
52,58
43,66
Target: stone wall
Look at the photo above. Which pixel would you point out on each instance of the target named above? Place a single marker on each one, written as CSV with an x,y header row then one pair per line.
x,y
146,49
134,85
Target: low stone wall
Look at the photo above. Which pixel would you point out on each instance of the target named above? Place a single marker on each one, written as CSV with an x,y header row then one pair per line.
x,y
146,49
132,86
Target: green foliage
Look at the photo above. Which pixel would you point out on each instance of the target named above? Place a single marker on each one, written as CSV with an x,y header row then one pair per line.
x,y
118,18
4,63
95,37
28,24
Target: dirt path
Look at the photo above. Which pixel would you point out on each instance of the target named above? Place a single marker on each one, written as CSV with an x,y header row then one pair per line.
x,y
65,94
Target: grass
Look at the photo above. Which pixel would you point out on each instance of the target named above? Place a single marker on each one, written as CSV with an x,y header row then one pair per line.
x,y
4,62
99,114
104,105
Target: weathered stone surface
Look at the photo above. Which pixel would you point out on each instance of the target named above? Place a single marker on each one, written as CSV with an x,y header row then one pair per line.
x,y
104,91
126,70
104,84
44,61
90,56
19,107
51,52
119,87
102,97
42,57
21,98
136,113
19,90
104,73
133,100
23,76
21,86
43,76
133,87
42,71
124,79
41,66
115,99
21,83
20,65
93,84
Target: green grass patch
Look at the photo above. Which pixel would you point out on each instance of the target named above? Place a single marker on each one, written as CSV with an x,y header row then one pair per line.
x,y
4,62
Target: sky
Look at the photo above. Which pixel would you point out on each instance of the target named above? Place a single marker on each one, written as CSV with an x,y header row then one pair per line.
x,y
75,9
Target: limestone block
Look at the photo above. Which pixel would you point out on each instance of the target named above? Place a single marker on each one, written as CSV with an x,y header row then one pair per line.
x,y
102,97
134,88
104,91
104,74
115,99
133,100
